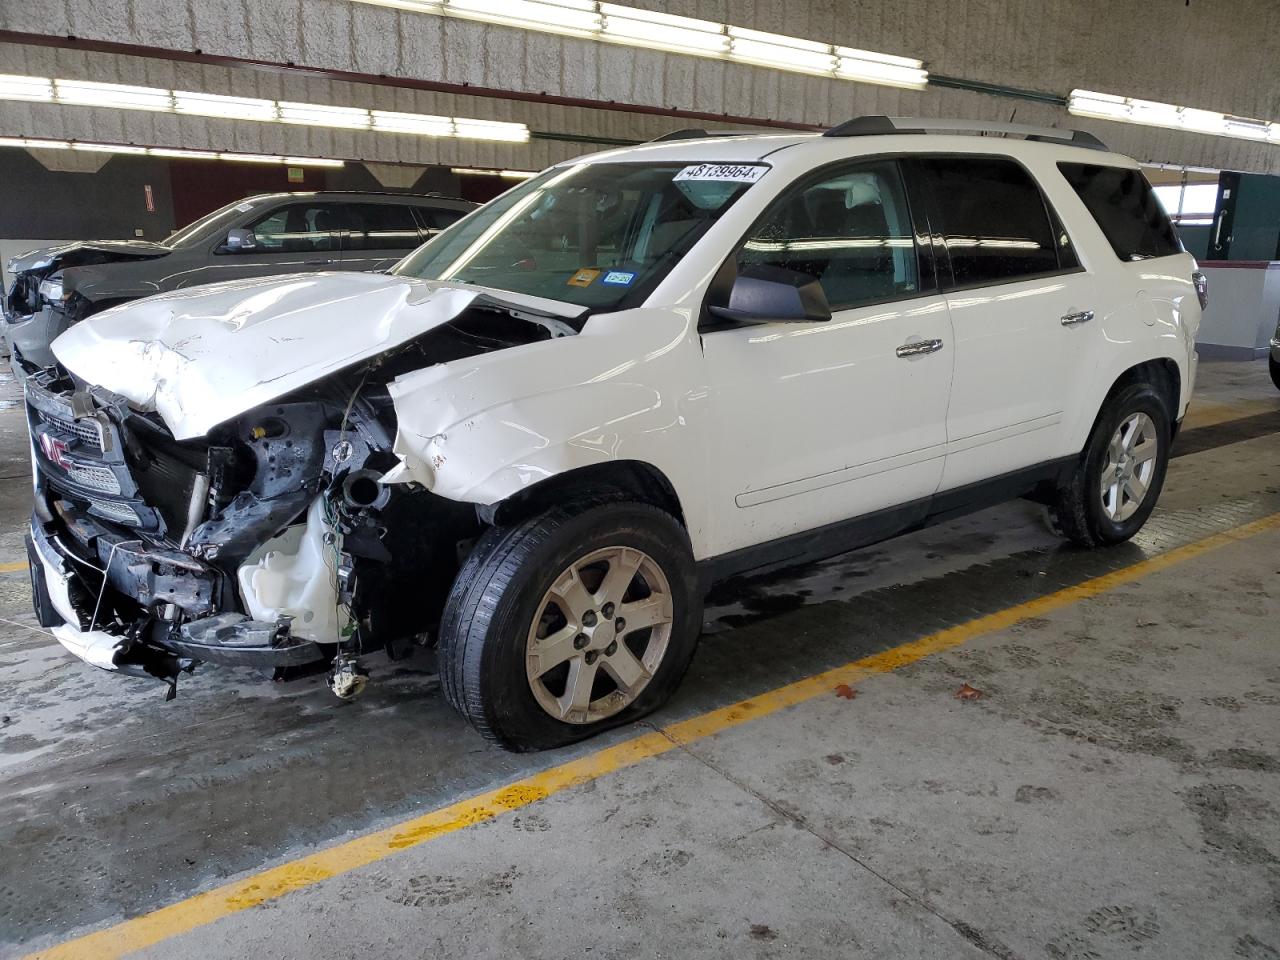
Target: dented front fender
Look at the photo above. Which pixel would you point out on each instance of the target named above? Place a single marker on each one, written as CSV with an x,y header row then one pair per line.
x,y
483,428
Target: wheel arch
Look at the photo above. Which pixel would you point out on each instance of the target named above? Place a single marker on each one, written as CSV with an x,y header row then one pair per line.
x,y
629,479
1163,373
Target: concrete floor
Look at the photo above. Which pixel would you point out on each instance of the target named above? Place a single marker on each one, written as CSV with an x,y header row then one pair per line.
x,y
1116,792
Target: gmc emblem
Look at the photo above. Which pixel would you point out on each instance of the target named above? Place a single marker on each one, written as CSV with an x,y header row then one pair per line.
x,y
54,449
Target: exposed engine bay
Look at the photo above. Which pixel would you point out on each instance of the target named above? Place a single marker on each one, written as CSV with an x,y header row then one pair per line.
x,y
271,541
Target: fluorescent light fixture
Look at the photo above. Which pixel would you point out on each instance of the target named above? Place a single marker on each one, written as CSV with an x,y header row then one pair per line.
x,y
507,174
117,95
491,130
317,115
1247,129
663,29
633,26
881,68
787,53
298,161
182,154
578,16
123,97
216,105
14,87
1108,106
387,121
108,148
31,143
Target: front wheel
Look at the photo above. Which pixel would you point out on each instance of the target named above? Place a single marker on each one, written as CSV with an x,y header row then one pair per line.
x,y
1116,484
1274,365
572,622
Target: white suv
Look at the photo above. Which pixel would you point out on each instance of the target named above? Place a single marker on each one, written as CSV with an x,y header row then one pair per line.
x,y
540,439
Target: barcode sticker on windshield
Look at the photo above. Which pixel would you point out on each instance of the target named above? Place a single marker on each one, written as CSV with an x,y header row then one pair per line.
x,y
734,172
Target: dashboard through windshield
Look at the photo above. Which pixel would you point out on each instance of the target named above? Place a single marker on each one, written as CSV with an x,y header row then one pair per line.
x,y
598,235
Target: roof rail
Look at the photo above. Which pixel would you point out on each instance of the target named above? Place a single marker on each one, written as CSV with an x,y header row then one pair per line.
x,y
879,126
696,133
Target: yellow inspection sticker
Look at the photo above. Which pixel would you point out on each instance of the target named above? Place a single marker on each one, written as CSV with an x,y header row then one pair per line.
x,y
584,277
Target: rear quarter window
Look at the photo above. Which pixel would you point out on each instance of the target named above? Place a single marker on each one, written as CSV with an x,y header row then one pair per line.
x,y
1125,208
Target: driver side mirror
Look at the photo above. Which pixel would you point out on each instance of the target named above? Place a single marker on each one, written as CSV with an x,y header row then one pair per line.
x,y
241,240
766,294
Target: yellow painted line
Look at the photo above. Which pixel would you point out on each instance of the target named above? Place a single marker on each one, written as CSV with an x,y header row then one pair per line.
x,y
13,567
204,908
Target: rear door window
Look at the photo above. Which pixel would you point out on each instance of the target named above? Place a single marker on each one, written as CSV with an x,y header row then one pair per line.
x,y
1126,208
993,219
849,228
381,226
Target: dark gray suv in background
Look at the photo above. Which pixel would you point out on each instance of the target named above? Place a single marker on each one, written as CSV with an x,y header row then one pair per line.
x,y
260,236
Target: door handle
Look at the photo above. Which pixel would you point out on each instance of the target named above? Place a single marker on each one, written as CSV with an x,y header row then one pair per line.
x,y
919,348
1071,319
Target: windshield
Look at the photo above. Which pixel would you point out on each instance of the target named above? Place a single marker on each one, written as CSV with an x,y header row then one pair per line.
x,y
222,218
595,234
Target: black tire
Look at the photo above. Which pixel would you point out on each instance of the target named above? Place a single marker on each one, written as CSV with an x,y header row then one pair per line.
x,y
1077,512
498,592
1275,371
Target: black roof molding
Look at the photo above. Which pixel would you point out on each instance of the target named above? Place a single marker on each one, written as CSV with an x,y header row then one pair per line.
x,y
883,126
697,133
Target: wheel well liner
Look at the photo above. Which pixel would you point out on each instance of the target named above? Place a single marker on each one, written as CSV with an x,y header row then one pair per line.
x,y
1161,373
632,479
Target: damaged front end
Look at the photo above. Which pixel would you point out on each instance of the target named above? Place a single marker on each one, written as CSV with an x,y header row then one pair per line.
x,y
271,541
45,296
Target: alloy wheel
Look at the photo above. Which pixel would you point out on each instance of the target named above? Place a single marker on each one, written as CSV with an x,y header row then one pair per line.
x,y
1130,467
599,635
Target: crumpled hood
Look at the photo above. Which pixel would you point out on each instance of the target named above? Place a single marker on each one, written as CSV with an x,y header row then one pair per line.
x,y
86,252
203,355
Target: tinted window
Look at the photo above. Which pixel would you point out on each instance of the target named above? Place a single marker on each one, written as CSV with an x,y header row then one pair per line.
x,y
851,230
297,228
1126,209
993,218
380,226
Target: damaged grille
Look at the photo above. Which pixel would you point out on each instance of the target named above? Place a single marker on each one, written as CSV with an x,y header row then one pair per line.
x,y
131,473
94,478
115,510
90,433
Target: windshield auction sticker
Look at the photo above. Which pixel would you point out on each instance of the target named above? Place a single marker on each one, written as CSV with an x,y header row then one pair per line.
x,y
583,277
733,172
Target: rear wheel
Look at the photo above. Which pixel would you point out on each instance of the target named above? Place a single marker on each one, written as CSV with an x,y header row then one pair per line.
x,y
1116,484
572,622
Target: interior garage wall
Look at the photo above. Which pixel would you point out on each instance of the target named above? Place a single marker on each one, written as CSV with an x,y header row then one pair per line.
x,y
110,203
1217,56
